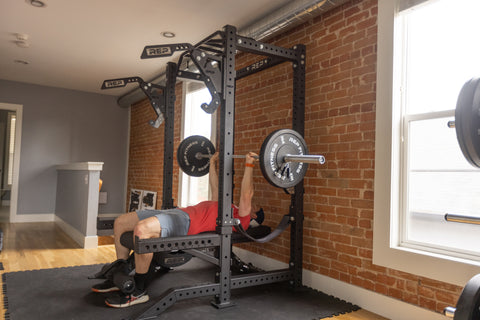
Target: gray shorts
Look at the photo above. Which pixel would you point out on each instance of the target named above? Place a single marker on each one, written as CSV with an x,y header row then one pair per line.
x,y
174,222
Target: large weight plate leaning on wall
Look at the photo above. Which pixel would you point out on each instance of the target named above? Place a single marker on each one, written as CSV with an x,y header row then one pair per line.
x,y
469,302
467,121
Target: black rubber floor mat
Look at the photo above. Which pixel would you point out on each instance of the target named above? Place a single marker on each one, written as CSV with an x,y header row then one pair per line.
x,y
64,293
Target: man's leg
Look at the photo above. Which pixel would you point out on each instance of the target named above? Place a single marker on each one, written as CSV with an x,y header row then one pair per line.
x,y
126,222
144,229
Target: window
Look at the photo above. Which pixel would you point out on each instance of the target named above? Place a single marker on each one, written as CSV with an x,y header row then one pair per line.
x,y
425,55
195,122
436,59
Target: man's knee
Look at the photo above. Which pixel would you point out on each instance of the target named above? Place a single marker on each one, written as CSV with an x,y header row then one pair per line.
x,y
125,222
148,228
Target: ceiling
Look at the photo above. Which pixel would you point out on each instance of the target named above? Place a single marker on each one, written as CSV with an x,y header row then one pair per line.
x,y
78,44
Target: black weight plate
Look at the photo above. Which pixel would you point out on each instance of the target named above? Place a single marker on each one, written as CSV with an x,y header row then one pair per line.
x,y
186,155
467,121
276,146
469,302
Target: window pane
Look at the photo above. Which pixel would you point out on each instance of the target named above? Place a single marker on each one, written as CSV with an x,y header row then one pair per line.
x,y
441,53
196,122
440,181
434,146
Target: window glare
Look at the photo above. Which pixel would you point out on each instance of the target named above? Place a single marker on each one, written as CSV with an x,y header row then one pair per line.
x,y
197,121
442,53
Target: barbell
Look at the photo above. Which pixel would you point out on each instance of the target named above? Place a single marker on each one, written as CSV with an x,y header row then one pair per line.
x,y
306,158
283,157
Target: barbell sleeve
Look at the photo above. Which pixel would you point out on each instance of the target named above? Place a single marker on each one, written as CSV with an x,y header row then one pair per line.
x,y
461,218
451,124
449,312
305,158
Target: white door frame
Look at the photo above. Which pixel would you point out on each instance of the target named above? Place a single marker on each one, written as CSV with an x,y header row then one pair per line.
x,y
18,108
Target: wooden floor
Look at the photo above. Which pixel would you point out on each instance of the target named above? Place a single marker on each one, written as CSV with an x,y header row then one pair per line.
x,y
30,246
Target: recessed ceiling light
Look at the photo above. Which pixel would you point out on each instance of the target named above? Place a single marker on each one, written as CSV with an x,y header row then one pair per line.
x,y
20,61
36,3
168,34
21,36
22,44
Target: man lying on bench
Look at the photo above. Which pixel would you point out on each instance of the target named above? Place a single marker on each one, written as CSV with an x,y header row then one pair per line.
x,y
176,222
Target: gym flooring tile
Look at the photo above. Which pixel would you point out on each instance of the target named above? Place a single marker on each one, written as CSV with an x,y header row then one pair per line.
x,y
32,246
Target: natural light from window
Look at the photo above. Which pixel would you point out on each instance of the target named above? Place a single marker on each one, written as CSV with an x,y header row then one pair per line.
x,y
196,122
438,51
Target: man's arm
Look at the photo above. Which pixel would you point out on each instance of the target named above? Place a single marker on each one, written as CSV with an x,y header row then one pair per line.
x,y
246,190
213,176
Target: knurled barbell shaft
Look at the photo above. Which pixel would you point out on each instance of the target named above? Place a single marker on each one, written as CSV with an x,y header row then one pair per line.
x,y
288,158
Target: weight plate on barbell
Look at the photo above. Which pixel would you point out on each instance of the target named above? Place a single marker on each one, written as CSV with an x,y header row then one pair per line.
x,y
467,121
187,155
276,146
469,302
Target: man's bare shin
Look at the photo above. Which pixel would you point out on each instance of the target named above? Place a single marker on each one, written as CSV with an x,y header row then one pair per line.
x,y
146,229
123,224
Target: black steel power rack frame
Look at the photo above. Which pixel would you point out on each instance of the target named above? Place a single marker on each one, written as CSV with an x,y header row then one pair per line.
x,y
214,58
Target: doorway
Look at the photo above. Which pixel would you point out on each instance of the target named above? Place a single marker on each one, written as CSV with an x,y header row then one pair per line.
x,y
10,136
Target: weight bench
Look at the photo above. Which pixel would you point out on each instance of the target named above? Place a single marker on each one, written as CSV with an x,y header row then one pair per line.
x,y
176,258
120,272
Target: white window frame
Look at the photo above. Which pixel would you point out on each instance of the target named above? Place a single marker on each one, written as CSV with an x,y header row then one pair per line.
x,y
184,184
387,251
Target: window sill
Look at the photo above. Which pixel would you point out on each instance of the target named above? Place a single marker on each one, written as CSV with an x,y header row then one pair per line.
x,y
426,264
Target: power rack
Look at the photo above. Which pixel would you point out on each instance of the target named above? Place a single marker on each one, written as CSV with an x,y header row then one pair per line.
x,y
214,58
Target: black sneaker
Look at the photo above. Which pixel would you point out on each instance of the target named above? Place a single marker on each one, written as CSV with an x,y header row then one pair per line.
x,y
105,286
127,300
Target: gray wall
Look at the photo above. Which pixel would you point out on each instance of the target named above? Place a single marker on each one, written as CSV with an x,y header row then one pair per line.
x,y
62,126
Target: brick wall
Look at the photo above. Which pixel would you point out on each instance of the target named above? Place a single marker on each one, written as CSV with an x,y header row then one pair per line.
x,y
339,123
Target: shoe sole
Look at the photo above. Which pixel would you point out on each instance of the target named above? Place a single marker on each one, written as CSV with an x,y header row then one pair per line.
x,y
142,299
105,290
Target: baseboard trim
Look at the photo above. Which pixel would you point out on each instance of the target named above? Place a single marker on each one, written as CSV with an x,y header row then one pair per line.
x,y
25,218
86,242
385,306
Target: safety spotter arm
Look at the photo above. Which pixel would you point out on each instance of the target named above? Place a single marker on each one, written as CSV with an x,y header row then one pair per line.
x,y
157,100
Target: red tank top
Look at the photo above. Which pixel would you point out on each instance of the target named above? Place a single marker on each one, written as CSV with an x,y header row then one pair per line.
x,y
203,217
